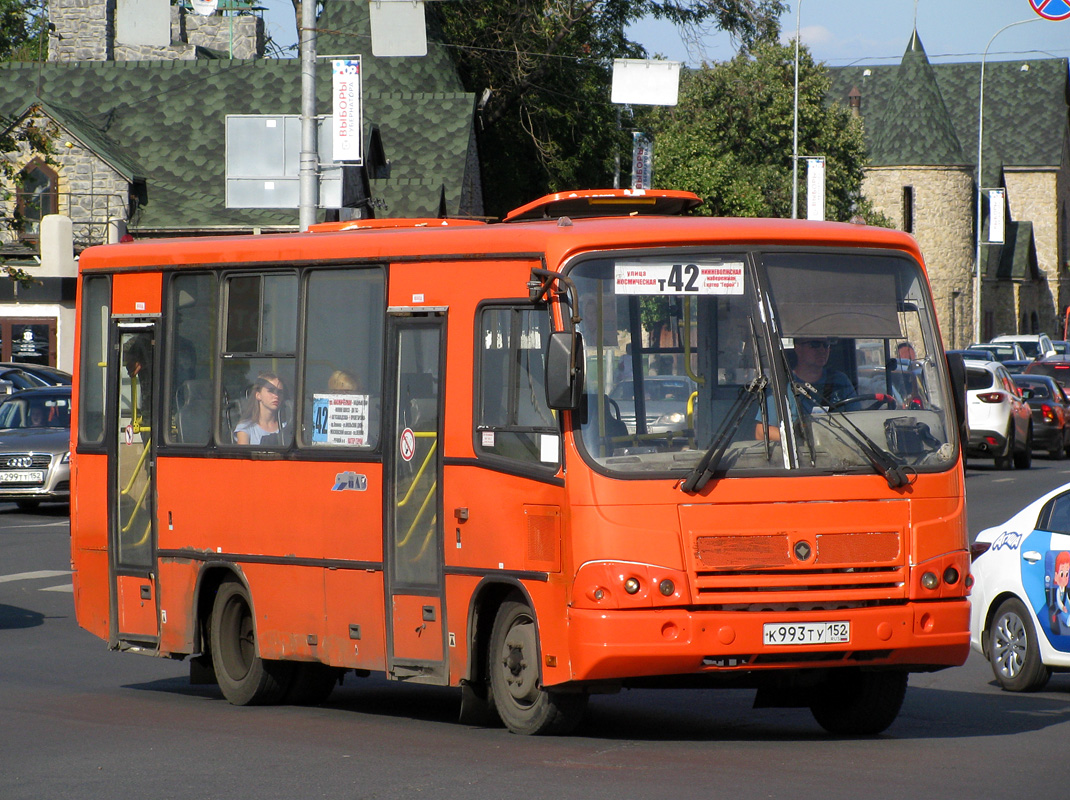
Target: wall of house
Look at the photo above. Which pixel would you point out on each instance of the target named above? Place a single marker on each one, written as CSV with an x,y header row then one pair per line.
x,y
1033,195
943,226
85,31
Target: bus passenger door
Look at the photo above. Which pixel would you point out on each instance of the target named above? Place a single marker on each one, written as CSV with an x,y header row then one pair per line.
x,y
132,491
413,465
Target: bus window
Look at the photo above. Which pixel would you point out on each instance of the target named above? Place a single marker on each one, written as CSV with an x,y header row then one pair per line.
x,y
513,420
192,363
256,406
96,308
341,395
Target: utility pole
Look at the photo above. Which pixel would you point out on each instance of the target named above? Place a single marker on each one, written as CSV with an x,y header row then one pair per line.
x,y
308,199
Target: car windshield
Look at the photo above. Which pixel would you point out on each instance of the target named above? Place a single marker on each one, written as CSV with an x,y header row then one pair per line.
x,y
671,371
42,410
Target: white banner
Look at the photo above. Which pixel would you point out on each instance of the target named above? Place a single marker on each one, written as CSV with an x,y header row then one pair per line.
x,y
642,161
996,216
346,100
815,188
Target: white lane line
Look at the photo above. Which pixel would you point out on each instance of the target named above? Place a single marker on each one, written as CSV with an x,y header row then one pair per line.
x,y
30,576
63,587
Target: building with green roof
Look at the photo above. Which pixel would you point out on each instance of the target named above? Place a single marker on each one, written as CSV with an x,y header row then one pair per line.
x,y
921,123
139,136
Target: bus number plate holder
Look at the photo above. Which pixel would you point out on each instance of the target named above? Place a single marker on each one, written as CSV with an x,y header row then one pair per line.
x,y
795,633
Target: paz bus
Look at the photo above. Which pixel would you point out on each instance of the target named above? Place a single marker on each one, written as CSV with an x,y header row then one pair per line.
x,y
538,459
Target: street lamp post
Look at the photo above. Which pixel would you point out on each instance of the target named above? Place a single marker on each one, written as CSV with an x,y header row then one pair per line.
x,y
980,142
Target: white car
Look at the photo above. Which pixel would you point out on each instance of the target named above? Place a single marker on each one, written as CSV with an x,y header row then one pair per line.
x,y
1035,345
1019,602
1000,421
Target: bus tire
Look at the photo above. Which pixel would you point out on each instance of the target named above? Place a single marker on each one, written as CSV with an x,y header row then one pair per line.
x,y
857,703
244,677
522,704
1013,649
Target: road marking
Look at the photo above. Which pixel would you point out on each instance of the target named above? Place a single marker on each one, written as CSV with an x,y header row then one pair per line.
x,y
30,576
63,587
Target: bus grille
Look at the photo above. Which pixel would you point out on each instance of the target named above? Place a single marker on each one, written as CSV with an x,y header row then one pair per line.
x,y
783,571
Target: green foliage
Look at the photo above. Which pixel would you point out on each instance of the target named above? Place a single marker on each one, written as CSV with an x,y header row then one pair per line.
x,y
548,123
730,137
23,31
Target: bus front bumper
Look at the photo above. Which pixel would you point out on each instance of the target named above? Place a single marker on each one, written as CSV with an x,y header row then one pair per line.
x,y
616,644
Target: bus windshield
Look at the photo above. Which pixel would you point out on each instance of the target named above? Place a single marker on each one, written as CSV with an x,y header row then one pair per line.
x,y
778,361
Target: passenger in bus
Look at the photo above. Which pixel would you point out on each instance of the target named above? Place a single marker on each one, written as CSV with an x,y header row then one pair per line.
x,y
262,424
342,382
137,359
810,367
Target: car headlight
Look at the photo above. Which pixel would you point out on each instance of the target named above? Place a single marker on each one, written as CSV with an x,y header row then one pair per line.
x,y
66,458
675,418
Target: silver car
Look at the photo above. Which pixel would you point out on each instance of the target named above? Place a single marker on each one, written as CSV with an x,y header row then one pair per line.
x,y
35,440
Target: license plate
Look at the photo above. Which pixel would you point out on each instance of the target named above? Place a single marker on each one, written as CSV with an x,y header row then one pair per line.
x,y
22,477
779,633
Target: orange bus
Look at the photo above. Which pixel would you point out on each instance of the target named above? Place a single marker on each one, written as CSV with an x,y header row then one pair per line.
x,y
600,444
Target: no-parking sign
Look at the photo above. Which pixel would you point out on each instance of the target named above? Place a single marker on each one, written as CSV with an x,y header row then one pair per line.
x,y
1051,9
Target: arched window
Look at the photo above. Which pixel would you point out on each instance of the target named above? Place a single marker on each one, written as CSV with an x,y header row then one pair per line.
x,y
36,196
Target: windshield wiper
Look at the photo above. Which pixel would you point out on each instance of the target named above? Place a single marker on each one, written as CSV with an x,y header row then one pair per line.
x,y
880,459
703,471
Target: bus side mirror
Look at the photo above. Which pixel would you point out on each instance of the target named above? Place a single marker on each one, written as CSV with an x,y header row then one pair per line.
x,y
956,368
564,370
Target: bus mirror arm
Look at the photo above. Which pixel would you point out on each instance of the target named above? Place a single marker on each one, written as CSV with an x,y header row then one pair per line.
x,y
539,287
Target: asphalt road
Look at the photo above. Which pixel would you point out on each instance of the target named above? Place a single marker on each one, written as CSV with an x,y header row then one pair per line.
x,y
78,721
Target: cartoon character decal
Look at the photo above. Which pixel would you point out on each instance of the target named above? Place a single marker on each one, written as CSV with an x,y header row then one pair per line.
x,y
1058,576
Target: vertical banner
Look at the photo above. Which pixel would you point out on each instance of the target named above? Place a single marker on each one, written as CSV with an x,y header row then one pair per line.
x,y
815,188
996,215
346,99
642,160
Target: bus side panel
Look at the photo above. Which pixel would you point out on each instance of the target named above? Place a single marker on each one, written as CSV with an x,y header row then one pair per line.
x,y
89,542
177,583
355,635
288,608
137,293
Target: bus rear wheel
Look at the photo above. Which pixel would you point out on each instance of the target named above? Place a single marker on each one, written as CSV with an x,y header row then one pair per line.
x,y
244,677
857,703
521,702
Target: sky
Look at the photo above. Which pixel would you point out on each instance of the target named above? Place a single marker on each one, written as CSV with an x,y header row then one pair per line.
x,y
842,32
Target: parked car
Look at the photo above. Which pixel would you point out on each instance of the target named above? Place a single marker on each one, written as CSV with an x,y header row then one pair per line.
x,y
48,376
1016,367
665,400
1035,345
1001,424
35,432
976,353
14,379
1057,367
1062,347
1002,351
1020,603
1051,413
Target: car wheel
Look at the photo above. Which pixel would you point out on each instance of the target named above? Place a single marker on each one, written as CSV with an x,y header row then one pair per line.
x,y
1013,650
1023,459
1005,460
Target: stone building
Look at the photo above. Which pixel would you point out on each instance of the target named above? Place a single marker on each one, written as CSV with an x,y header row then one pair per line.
x,y
921,123
138,139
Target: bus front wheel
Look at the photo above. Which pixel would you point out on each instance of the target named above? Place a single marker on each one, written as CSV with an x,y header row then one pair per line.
x,y
521,702
244,677
857,703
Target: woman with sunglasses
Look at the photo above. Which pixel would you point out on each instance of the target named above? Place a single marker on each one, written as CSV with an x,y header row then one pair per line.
x,y
261,424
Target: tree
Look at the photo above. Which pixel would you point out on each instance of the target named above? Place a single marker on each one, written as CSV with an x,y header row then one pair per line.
x,y
23,30
543,71
730,137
